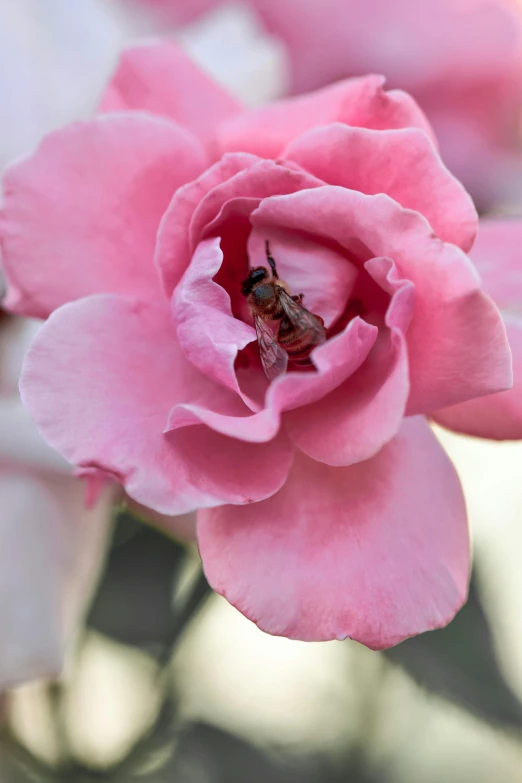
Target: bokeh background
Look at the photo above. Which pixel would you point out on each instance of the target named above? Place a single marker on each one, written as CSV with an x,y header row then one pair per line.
x,y
165,681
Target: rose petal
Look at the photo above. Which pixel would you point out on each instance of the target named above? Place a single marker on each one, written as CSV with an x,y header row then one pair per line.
x,y
173,250
208,333
497,416
335,360
51,553
497,256
496,253
196,208
80,216
158,77
354,421
376,552
401,163
361,102
264,178
100,379
457,345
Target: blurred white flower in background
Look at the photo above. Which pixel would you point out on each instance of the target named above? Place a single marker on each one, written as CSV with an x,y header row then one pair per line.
x,y
229,43
50,545
54,59
55,56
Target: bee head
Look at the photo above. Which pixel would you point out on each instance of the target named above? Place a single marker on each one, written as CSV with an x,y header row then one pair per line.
x,y
255,276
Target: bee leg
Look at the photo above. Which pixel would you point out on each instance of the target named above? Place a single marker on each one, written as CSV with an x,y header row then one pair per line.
x,y
271,261
298,298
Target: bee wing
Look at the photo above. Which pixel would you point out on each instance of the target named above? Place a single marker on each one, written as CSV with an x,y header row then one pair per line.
x,y
303,321
273,358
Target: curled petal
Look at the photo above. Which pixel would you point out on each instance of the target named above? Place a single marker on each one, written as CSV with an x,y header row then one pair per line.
x,y
361,102
80,215
457,346
122,355
355,420
197,207
208,333
265,178
159,78
335,360
401,163
375,552
173,249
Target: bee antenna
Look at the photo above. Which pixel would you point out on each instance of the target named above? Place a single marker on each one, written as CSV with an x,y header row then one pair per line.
x,y
269,258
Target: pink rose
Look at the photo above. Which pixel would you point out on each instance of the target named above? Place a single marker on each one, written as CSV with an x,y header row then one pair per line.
x,y
327,508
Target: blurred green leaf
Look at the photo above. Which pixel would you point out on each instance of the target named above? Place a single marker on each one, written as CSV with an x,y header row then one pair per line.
x,y
207,754
18,765
134,601
459,663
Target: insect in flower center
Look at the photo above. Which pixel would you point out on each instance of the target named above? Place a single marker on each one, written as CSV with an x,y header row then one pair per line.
x,y
286,331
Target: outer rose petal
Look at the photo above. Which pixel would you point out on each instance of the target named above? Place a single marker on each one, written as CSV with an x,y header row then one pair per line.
x,y
401,163
100,379
497,253
80,216
376,552
497,416
457,347
160,78
497,256
360,102
51,551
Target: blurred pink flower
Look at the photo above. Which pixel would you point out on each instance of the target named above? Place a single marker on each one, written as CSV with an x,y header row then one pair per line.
x,y
323,511
460,59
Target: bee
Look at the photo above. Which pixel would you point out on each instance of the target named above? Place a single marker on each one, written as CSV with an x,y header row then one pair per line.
x,y
286,331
